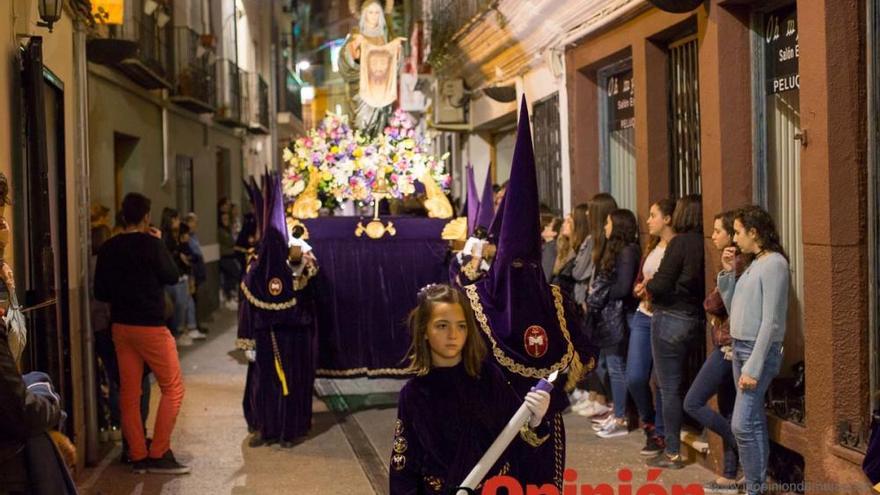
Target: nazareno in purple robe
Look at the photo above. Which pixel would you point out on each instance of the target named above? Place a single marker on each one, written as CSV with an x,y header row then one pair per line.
x,y
446,420
530,327
282,323
245,338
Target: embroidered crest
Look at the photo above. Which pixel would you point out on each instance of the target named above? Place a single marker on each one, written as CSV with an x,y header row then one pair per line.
x,y
535,341
435,483
398,428
398,462
275,286
400,445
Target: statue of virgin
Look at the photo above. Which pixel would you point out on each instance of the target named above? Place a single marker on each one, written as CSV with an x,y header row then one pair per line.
x,y
369,63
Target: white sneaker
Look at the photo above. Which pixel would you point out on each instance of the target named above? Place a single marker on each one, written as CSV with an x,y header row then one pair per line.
x,y
195,334
578,395
582,404
601,425
595,410
616,428
184,340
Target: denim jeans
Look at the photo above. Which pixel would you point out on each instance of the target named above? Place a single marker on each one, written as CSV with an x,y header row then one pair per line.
x,y
749,421
190,311
715,377
615,360
179,293
672,336
639,363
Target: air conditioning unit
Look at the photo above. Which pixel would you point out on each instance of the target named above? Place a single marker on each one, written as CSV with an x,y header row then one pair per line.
x,y
450,102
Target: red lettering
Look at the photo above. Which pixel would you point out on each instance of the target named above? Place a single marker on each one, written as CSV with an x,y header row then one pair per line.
x,y
511,484
603,489
692,489
546,489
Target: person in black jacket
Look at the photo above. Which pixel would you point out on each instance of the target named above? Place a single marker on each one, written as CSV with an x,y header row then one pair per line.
x,y
23,416
610,301
676,292
132,270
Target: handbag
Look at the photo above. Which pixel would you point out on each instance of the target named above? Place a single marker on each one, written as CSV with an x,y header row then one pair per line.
x,y
604,324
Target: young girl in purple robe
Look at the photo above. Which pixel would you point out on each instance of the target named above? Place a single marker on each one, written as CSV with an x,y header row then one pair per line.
x,y
457,404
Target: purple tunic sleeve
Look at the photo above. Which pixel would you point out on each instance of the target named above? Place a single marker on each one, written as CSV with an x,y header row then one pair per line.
x,y
404,472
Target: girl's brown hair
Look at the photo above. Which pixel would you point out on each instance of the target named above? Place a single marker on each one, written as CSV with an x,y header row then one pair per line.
x,y
624,231
601,206
580,228
419,352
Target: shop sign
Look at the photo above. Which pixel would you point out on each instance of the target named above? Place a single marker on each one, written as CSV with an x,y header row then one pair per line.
x,y
781,51
621,101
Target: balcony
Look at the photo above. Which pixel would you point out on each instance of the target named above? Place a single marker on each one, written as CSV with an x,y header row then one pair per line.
x,y
229,94
194,87
138,47
258,123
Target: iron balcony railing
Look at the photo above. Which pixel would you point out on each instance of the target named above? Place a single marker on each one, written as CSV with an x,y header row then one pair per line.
x,y
229,93
194,71
151,40
263,102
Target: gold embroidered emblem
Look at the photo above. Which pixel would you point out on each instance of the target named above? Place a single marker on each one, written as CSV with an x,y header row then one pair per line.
x,y
398,462
400,445
275,286
435,483
398,428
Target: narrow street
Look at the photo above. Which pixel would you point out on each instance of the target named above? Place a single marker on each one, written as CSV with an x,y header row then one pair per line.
x,y
346,451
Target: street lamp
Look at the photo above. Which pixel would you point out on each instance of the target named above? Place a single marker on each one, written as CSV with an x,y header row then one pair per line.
x,y
303,65
50,12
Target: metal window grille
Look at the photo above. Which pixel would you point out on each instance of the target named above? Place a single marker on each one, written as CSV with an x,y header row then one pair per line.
x,y
184,184
684,117
547,152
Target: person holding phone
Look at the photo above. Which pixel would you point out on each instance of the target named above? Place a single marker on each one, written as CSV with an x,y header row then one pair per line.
x,y
758,305
131,272
716,375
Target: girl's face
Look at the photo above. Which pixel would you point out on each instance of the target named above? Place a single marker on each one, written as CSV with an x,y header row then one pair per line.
x,y
224,219
548,234
720,237
746,240
567,227
609,227
656,221
175,223
447,334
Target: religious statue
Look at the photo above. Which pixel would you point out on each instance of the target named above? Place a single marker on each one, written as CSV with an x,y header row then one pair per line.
x,y
369,63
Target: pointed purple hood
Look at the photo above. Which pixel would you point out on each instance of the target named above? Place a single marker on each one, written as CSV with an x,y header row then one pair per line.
x,y
529,326
487,204
473,201
269,284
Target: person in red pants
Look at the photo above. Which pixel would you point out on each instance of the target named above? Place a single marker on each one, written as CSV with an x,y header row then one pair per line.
x,y
131,272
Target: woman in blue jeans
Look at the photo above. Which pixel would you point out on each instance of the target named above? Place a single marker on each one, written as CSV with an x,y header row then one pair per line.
x,y
610,300
640,359
677,292
716,375
758,305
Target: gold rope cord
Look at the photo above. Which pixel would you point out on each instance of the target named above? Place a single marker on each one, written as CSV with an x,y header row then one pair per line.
x,y
278,368
264,305
512,365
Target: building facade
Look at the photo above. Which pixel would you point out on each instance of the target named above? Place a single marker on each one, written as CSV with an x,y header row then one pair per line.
x,y
718,101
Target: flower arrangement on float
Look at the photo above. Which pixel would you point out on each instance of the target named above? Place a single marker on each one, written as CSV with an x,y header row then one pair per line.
x,y
347,165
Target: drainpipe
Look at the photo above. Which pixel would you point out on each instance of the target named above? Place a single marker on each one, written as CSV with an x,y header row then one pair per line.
x,y
164,138
81,158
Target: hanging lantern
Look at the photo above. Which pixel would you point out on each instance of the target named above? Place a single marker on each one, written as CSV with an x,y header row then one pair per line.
x,y
50,12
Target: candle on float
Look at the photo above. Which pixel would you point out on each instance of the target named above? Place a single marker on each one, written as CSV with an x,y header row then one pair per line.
x,y
521,417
